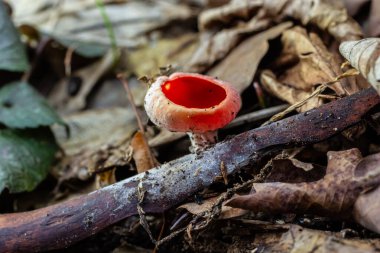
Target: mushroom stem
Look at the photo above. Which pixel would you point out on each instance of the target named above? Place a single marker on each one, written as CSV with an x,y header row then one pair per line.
x,y
201,141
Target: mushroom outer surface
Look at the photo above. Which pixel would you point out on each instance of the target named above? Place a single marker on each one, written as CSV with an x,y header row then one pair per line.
x,y
187,102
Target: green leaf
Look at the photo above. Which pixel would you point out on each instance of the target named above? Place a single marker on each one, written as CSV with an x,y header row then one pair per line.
x,y
25,158
12,51
23,107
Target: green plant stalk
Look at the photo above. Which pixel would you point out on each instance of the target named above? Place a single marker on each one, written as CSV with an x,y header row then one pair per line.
x,y
111,33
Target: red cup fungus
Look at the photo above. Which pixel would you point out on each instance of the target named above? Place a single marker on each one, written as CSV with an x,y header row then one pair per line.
x,y
192,103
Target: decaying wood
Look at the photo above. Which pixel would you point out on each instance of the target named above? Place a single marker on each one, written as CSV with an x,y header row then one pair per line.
x,y
63,224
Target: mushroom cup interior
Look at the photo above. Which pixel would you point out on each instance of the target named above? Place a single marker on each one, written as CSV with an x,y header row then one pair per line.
x,y
193,92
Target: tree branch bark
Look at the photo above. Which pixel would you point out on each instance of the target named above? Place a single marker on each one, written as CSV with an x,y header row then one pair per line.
x,y
63,224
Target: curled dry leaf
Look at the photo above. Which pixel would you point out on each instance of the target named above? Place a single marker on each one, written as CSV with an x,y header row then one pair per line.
x,y
287,93
327,15
142,155
299,239
333,195
315,63
239,67
364,56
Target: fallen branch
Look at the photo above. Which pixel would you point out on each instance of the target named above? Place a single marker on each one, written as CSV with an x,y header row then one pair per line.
x,y
63,224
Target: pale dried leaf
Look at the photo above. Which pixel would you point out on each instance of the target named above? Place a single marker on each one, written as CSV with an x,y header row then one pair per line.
x,y
176,52
299,239
364,56
239,67
81,21
93,129
327,15
287,93
214,46
60,97
316,64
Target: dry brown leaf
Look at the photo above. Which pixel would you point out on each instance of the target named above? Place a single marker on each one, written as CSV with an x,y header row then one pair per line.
x,y
226,213
334,195
353,6
316,64
374,19
239,67
367,206
366,210
287,93
291,170
364,56
302,240
327,15
214,46
142,155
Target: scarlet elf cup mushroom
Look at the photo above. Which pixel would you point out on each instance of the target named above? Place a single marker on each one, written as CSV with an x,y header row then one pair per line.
x,y
192,103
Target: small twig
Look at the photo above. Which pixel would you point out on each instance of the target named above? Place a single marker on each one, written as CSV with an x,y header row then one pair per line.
x,y
121,77
67,60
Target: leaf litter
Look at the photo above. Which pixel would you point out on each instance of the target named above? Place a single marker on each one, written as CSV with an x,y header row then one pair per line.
x,y
287,47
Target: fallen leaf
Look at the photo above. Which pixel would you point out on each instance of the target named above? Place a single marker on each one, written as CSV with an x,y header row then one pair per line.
x,y
327,15
13,54
25,158
374,19
82,22
226,212
23,107
291,170
364,56
335,194
98,140
61,98
366,208
215,46
142,155
176,52
287,93
93,129
299,239
315,65
239,67
353,6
